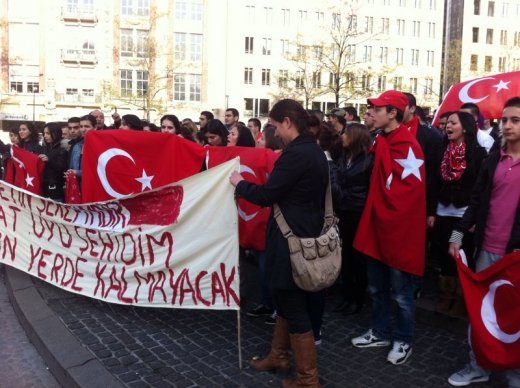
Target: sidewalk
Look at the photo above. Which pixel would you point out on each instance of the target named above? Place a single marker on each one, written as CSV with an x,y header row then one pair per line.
x,y
138,347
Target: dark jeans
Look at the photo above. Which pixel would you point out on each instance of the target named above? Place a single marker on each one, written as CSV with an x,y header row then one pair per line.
x,y
303,310
263,279
353,262
440,245
384,284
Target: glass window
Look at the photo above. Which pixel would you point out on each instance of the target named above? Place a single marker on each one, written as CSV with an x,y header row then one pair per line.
x,y
196,10
195,47
283,78
142,82
488,63
248,75
249,42
127,43
142,44
33,87
491,8
179,87
474,62
143,7
180,46
475,34
266,76
126,83
16,87
195,87
181,9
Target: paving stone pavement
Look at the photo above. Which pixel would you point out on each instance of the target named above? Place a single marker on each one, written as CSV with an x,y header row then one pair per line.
x,y
20,364
193,348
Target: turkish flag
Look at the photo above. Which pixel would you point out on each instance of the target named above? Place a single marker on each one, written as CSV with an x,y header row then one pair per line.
x,y
490,94
392,228
119,163
255,165
493,302
24,169
72,189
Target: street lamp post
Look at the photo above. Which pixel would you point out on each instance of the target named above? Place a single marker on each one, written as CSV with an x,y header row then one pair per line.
x,y
35,90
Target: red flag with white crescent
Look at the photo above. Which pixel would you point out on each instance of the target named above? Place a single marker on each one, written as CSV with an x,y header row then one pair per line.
x,y
490,94
120,163
255,165
25,170
493,302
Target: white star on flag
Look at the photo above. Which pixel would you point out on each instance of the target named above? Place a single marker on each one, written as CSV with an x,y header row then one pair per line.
x,y
29,180
145,180
411,165
502,85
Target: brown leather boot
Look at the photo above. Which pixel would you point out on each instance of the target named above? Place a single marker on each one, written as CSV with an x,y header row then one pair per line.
x,y
304,352
278,357
447,291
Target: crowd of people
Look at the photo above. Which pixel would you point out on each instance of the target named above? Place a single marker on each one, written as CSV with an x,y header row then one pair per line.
x,y
461,181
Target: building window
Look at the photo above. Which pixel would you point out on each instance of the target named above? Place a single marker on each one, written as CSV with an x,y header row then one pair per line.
x,y
257,107
413,85
475,34
502,64
179,87
181,10
433,4
491,8
503,37
369,24
402,3
367,54
417,3
266,77
416,28
127,43
283,78
517,39
128,47
385,25
381,83
352,23
126,83
248,75
366,81
180,46
142,82
266,48
268,15
16,87
488,63
398,83
489,36
286,17
196,10
299,81
142,44
320,16
303,15
383,55
33,87
284,45
476,7
505,9
430,58
249,40
516,64
431,30
250,14
428,86
195,87
415,57
316,79
135,7
399,56
195,47
336,20
400,27
473,66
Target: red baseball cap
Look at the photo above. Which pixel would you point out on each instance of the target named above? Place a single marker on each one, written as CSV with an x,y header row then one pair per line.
x,y
390,97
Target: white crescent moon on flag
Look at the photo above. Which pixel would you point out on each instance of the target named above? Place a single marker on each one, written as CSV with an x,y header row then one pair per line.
x,y
246,217
489,315
103,160
464,92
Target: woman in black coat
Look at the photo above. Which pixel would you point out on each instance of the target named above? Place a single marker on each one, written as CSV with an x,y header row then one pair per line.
x,y
56,163
297,184
458,173
30,138
353,171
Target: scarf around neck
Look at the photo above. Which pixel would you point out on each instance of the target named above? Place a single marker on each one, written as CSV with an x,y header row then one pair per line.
x,y
453,162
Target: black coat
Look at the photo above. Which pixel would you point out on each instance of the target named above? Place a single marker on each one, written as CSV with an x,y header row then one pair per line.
x,y
478,209
352,182
459,192
53,174
297,183
431,144
32,146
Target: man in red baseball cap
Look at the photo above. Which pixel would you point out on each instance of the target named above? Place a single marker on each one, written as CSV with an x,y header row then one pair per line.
x,y
392,229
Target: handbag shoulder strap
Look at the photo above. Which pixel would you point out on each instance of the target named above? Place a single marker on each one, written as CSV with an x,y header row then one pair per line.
x,y
282,223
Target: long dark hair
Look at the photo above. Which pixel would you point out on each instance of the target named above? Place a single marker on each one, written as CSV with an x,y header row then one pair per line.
x,y
34,135
329,140
359,140
56,134
292,110
467,122
173,119
245,137
271,141
216,127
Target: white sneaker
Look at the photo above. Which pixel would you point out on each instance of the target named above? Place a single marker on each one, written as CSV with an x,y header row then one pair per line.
x,y
468,375
400,353
369,340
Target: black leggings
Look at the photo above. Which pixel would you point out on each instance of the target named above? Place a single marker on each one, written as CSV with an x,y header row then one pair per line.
x,y
303,310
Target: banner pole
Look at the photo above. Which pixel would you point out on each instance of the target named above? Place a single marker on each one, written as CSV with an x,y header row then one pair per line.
x,y
239,328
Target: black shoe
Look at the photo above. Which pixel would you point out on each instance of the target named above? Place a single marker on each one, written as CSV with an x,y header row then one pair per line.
x,y
354,308
342,306
259,311
271,319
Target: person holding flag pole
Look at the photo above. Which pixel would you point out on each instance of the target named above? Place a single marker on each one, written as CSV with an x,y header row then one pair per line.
x,y
495,212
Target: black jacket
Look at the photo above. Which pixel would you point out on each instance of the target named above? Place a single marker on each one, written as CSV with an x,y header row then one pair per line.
x,y
53,174
297,183
459,192
478,209
431,145
32,146
352,182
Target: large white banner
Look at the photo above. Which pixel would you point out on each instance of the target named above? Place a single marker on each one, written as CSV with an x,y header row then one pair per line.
x,y
172,247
